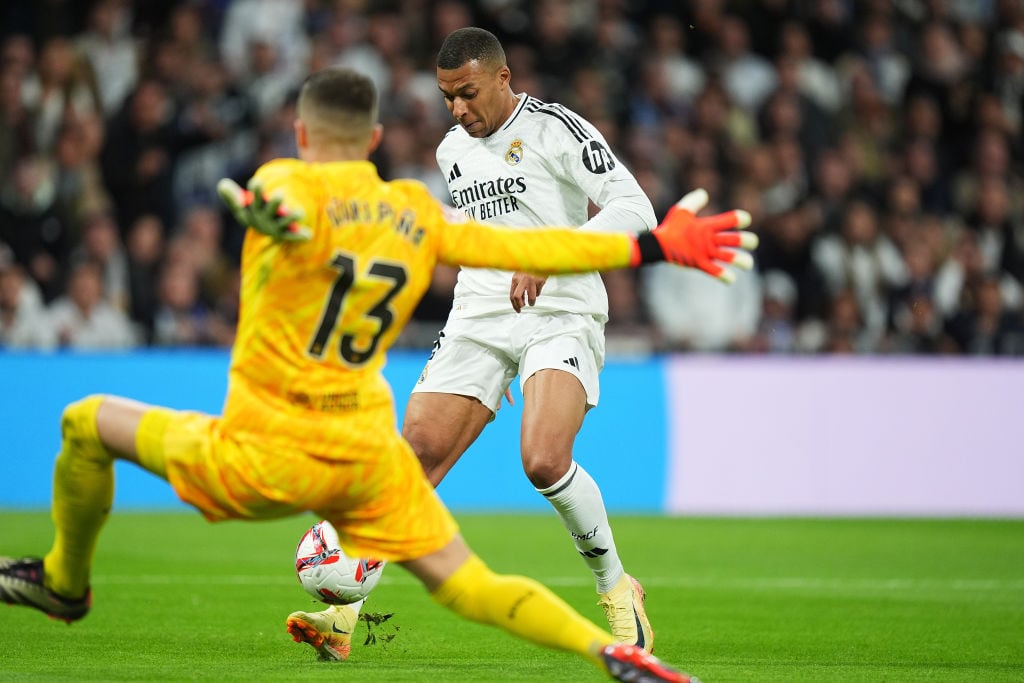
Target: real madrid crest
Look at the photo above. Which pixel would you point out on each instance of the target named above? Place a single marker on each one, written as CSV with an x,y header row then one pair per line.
x,y
515,152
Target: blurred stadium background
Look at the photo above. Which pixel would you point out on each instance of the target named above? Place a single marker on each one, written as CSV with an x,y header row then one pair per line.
x,y
860,370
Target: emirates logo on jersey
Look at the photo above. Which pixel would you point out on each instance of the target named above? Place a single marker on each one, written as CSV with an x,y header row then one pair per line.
x,y
515,152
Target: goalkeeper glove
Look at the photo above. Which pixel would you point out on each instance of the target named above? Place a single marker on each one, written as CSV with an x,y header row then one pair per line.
x,y
254,210
686,240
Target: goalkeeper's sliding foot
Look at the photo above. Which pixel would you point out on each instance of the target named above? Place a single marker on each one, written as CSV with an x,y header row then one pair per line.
x,y
21,583
329,632
633,664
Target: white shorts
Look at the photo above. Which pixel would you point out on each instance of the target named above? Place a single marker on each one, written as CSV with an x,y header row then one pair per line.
x,y
480,356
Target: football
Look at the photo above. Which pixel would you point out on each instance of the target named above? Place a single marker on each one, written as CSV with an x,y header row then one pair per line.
x,y
327,573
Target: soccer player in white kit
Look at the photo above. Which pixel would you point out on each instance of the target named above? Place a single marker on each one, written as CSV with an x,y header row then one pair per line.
x,y
515,160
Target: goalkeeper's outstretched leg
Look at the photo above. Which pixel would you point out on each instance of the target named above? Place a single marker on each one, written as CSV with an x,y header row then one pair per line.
x,y
94,432
460,581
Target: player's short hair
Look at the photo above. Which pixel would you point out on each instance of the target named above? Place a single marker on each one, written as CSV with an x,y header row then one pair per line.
x,y
339,104
469,44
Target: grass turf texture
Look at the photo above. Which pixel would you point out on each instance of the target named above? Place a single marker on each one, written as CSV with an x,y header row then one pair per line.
x,y
730,600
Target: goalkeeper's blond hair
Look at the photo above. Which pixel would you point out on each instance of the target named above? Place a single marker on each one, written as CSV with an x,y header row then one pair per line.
x,y
338,106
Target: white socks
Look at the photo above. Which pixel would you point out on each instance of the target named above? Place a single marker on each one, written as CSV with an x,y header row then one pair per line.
x,y
577,500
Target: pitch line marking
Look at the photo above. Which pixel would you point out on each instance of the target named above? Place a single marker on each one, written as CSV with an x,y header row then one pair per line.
x,y
750,583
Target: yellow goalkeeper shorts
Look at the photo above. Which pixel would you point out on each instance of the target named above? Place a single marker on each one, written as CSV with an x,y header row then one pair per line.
x,y
381,503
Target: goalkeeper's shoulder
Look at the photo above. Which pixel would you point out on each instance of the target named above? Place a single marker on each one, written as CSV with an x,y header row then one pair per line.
x,y
297,183
408,193
411,188
278,170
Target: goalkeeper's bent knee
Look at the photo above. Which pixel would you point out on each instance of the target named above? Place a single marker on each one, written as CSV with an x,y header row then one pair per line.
x,y
80,432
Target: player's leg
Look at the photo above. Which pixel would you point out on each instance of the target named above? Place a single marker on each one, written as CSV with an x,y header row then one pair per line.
x,y
457,395
458,392
95,431
462,582
561,382
327,631
440,427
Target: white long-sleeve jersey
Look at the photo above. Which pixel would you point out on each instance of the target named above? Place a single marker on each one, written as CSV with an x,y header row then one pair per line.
x,y
540,168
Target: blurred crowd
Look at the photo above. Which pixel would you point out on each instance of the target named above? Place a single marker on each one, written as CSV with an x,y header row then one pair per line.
x,y
877,143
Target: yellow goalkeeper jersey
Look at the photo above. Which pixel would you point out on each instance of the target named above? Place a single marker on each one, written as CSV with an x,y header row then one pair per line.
x,y
317,317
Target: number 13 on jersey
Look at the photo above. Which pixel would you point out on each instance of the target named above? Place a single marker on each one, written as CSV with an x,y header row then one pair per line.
x,y
378,309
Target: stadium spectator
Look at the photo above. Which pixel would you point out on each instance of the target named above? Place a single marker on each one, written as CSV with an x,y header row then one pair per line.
x,y
863,261
790,113
866,126
845,331
918,327
888,66
714,318
221,110
101,244
145,253
31,224
187,29
80,189
791,183
562,41
986,326
223,321
83,319
998,230
1009,76
201,232
964,264
777,327
23,322
16,141
142,145
18,54
62,88
814,78
652,104
829,24
277,24
666,41
747,77
834,184
267,85
111,51
787,246
991,160
181,318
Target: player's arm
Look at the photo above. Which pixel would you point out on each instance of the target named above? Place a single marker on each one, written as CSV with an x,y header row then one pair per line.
x,y
626,207
593,167
710,243
263,211
590,165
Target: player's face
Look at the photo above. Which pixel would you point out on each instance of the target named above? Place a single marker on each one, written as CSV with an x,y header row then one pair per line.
x,y
478,96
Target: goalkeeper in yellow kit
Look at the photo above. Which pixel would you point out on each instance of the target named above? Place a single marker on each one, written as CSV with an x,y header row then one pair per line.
x,y
332,268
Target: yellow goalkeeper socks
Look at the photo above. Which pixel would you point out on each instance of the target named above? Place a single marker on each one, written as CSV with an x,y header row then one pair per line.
x,y
521,606
83,491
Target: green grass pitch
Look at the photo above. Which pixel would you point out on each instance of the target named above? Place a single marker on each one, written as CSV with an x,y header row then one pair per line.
x,y
179,599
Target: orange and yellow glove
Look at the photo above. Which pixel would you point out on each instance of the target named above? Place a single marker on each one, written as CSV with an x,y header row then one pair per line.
x,y
253,209
709,243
